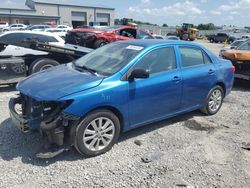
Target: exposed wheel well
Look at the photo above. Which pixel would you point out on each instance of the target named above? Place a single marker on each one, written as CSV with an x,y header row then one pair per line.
x,y
223,86
114,110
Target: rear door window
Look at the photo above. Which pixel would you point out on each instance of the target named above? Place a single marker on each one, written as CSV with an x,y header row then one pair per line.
x,y
193,57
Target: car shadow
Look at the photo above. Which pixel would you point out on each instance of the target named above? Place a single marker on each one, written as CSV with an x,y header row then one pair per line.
x,y
157,125
15,144
241,85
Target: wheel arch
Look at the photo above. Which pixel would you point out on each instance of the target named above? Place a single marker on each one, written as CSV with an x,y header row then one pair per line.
x,y
101,37
113,109
223,87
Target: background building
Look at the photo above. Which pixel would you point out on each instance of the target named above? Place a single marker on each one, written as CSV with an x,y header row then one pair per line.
x,y
41,11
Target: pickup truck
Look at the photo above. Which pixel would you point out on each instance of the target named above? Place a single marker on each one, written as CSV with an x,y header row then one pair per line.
x,y
220,37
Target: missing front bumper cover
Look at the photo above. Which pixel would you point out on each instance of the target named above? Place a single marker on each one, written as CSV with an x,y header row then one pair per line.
x,y
19,120
58,127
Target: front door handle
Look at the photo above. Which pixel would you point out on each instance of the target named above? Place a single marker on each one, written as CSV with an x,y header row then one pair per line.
x,y
177,79
211,71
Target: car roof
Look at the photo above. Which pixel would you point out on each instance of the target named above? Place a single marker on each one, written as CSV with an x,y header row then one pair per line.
x,y
31,32
157,42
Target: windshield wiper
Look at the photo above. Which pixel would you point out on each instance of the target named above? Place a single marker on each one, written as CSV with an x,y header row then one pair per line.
x,y
92,71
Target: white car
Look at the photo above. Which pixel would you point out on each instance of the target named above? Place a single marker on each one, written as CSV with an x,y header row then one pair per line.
x,y
245,37
14,27
3,25
61,32
16,37
64,27
37,27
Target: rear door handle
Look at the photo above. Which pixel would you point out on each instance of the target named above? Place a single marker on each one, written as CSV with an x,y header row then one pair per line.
x,y
211,71
177,79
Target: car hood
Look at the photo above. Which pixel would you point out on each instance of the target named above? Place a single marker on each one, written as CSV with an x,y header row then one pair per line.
x,y
57,82
240,55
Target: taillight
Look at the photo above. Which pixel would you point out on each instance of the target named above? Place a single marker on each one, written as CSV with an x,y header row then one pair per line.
x,y
233,69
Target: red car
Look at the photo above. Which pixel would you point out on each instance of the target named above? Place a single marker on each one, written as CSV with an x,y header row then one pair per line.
x,y
97,37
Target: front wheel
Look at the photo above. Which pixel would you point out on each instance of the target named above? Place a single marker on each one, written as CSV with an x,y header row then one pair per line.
x,y
97,133
99,43
214,101
185,37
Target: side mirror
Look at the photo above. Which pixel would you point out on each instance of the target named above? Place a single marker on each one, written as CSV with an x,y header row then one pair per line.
x,y
232,47
138,73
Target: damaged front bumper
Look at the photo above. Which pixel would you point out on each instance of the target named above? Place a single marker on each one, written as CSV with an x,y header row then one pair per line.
x,y
18,119
48,117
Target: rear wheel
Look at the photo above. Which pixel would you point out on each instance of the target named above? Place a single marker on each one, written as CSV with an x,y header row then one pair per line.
x,y
42,64
212,40
214,101
97,133
99,43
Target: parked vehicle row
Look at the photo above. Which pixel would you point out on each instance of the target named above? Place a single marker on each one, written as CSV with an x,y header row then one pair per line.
x,y
41,27
12,44
97,37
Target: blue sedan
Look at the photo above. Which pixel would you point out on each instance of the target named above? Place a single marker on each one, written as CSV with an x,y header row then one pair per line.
x,y
121,86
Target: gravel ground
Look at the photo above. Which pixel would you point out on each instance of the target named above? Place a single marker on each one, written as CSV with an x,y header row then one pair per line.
x,y
191,150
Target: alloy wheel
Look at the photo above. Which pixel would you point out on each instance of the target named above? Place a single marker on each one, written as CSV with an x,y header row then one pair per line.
x,y
99,133
215,100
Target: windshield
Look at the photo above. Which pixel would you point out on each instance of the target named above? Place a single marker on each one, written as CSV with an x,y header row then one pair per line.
x,y
236,43
106,28
109,59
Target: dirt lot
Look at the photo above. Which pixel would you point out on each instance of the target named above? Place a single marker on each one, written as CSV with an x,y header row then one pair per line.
x,y
191,150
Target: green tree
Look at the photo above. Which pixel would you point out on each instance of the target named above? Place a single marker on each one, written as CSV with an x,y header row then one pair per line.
x,y
209,26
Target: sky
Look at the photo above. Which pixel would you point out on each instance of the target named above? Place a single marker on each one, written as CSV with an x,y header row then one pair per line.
x,y
175,12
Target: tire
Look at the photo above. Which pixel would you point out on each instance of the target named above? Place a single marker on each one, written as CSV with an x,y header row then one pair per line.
x,y
93,136
99,43
213,104
184,37
42,64
212,40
